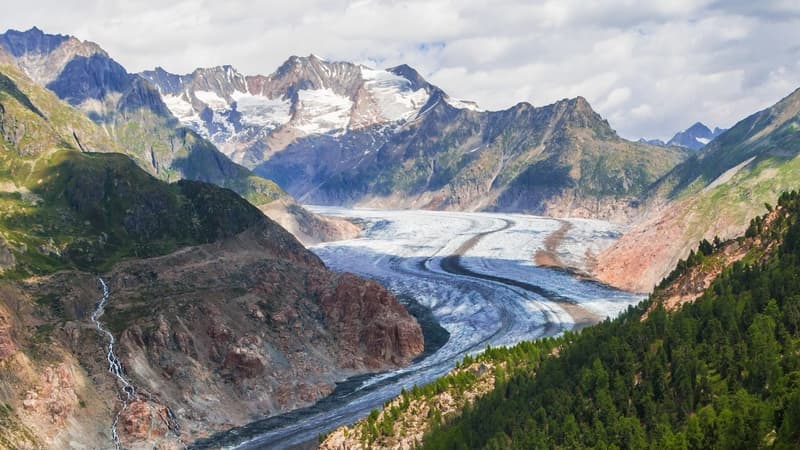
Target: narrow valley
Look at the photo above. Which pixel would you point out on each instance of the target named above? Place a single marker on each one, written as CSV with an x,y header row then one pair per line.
x,y
475,272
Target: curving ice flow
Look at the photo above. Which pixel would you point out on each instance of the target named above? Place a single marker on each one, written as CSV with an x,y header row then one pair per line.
x,y
114,364
475,272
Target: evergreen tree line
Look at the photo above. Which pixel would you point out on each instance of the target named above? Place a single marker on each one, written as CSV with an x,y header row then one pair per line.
x,y
719,373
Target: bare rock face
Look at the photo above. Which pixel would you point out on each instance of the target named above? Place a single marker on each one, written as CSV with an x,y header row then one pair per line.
x,y
245,359
212,336
307,227
249,326
369,320
143,420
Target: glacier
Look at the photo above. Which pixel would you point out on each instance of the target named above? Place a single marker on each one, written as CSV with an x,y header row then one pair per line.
x,y
495,296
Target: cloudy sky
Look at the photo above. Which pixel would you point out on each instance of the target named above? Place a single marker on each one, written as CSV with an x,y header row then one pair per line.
x,y
651,67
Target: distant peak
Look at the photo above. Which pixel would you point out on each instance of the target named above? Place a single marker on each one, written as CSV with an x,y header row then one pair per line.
x,y
695,137
34,40
699,127
290,63
410,74
577,104
580,100
403,68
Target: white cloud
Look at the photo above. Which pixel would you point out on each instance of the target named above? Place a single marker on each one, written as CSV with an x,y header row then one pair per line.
x,y
651,68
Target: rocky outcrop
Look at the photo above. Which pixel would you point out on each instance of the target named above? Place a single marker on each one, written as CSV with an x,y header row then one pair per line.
x,y
368,320
307,227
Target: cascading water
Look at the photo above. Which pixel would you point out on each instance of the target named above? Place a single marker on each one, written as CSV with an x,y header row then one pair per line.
x,y
128,391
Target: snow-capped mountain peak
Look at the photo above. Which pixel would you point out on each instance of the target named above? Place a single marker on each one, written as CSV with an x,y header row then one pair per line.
x,y
695,137
305,96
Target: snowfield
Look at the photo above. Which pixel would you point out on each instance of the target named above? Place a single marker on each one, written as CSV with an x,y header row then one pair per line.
x,y
475,272
393,95
322,111
259,110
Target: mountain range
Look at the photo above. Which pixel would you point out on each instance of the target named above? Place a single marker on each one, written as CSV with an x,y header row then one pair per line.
x,y
342,133
154,179
137,122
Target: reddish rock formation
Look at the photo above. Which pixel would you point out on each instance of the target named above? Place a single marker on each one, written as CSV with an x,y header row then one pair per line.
x,y
368,319
221,334
143,421
254,325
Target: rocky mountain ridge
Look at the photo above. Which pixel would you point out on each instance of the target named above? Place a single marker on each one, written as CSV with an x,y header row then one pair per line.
x,y
138,123
341,133
129,109
249,117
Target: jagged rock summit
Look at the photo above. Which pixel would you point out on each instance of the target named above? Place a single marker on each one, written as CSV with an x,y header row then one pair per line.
x,y
695,137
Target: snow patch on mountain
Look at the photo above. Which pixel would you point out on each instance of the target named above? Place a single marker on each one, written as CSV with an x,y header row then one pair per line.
x,y
179,107
322,111
462,104
261,111
184,111
393,94
211,99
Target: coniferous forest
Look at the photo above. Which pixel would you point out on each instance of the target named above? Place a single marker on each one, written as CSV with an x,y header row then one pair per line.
x,y
721,372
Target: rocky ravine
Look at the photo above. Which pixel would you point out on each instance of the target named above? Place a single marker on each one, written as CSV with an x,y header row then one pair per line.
x,y
219,334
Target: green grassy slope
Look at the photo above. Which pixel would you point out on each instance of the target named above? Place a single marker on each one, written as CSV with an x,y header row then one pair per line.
x,y
60,207
768,135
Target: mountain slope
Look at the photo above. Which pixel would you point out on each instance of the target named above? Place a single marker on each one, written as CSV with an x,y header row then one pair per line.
x,y
714,192
220,316
339,133
716,373
130,111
